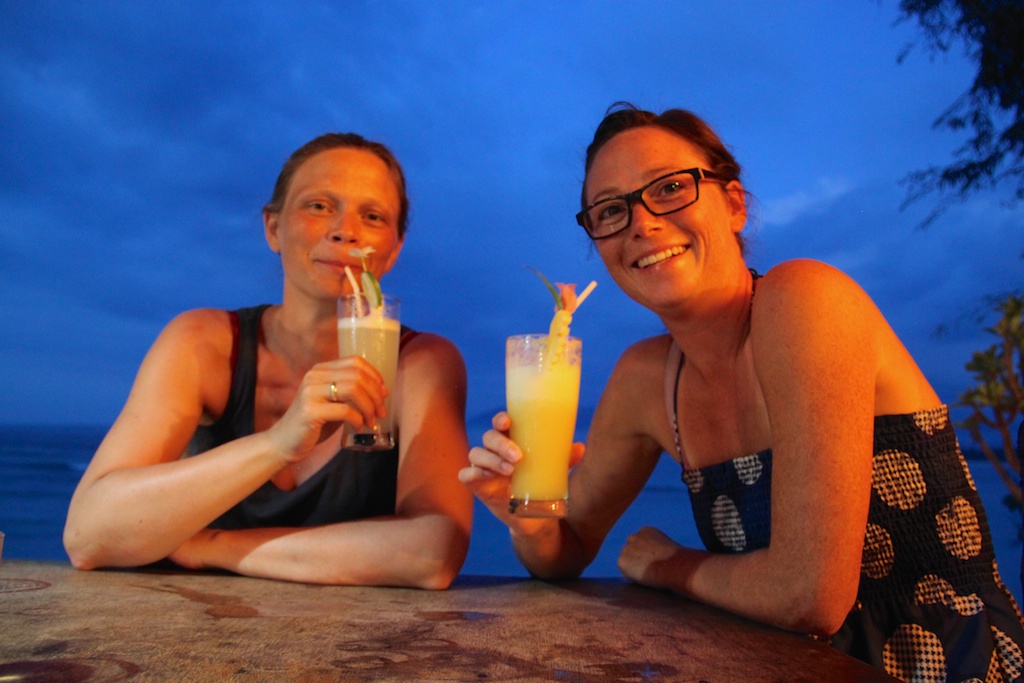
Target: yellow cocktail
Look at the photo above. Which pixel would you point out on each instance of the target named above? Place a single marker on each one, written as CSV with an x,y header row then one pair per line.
x,y
542,385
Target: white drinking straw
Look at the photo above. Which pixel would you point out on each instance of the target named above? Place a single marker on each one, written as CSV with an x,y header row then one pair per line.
x,y
355,290
352,281
585,293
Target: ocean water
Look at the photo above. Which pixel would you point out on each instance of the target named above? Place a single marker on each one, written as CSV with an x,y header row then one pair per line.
x,y
40,466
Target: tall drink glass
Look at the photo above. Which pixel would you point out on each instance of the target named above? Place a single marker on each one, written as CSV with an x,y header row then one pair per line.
x,y
542,388
372,334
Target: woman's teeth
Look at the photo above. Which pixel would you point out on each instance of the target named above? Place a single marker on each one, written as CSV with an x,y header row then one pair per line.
x,y
659,257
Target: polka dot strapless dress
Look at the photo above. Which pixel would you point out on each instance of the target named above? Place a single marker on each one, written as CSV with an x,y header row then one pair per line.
x,y
931,605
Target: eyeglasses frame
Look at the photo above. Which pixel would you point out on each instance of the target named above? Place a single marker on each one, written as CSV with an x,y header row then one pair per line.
x,y
635,196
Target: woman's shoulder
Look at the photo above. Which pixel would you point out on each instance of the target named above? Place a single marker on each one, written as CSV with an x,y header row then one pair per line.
x,y
427,342
202,332
803,307
799,273
193,352
643,359
427,348
805,287
200,323
648,349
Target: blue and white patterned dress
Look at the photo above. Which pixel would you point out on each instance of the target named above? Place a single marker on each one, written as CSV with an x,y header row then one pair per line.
x,y
931,605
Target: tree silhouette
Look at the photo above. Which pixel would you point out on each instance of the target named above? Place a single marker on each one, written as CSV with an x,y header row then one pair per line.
x,y
992,33
997,399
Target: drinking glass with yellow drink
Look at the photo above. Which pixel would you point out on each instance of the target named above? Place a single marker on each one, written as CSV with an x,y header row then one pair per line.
x,y
542,387
368,326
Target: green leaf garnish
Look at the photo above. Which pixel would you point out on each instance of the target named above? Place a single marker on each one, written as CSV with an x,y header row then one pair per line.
x,y
551,288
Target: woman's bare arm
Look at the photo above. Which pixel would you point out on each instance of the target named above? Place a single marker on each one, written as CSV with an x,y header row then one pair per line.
x,y
138,500
817,350
424,543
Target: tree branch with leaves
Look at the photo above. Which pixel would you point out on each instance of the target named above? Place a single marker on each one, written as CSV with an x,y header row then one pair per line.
x,y
997,400
992,109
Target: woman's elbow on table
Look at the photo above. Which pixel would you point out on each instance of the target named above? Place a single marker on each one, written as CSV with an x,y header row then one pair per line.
x,y
75,548
447,567
438,565
89,552
82,562
818,617
80,554
438,580
817,606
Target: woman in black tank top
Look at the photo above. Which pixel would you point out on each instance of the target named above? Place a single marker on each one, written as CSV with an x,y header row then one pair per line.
x,y
228,453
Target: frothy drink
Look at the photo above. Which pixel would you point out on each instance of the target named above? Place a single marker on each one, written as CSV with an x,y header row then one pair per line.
x,y
375,337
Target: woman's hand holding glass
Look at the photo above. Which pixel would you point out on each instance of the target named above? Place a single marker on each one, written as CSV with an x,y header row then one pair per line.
x,y
346,391
492,464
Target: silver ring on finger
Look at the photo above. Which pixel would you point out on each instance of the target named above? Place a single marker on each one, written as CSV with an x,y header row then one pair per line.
x,y
334,392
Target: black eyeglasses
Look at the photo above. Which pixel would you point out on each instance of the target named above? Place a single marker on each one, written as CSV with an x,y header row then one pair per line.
x,y
667,194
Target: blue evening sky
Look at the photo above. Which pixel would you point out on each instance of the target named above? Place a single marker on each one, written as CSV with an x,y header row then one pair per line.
x,y
142,138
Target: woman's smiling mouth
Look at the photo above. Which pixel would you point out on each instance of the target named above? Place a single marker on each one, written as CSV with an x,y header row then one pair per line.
x,y
653,259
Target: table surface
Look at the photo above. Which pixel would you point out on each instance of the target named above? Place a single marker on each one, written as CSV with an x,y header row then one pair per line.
x,y
57,623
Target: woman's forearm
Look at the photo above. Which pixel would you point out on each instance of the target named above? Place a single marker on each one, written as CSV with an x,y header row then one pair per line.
x,y
761,586
425,551
138,515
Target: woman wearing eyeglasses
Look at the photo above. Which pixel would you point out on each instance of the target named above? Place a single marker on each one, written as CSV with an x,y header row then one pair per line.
x,y
824,474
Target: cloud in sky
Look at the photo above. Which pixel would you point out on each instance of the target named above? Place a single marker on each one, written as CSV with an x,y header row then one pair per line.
x,y
803,202
142,139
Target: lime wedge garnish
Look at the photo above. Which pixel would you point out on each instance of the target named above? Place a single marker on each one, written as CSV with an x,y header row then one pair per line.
x,y
371,288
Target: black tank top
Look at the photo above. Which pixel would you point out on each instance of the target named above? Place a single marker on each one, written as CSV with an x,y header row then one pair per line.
x,y
352,485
